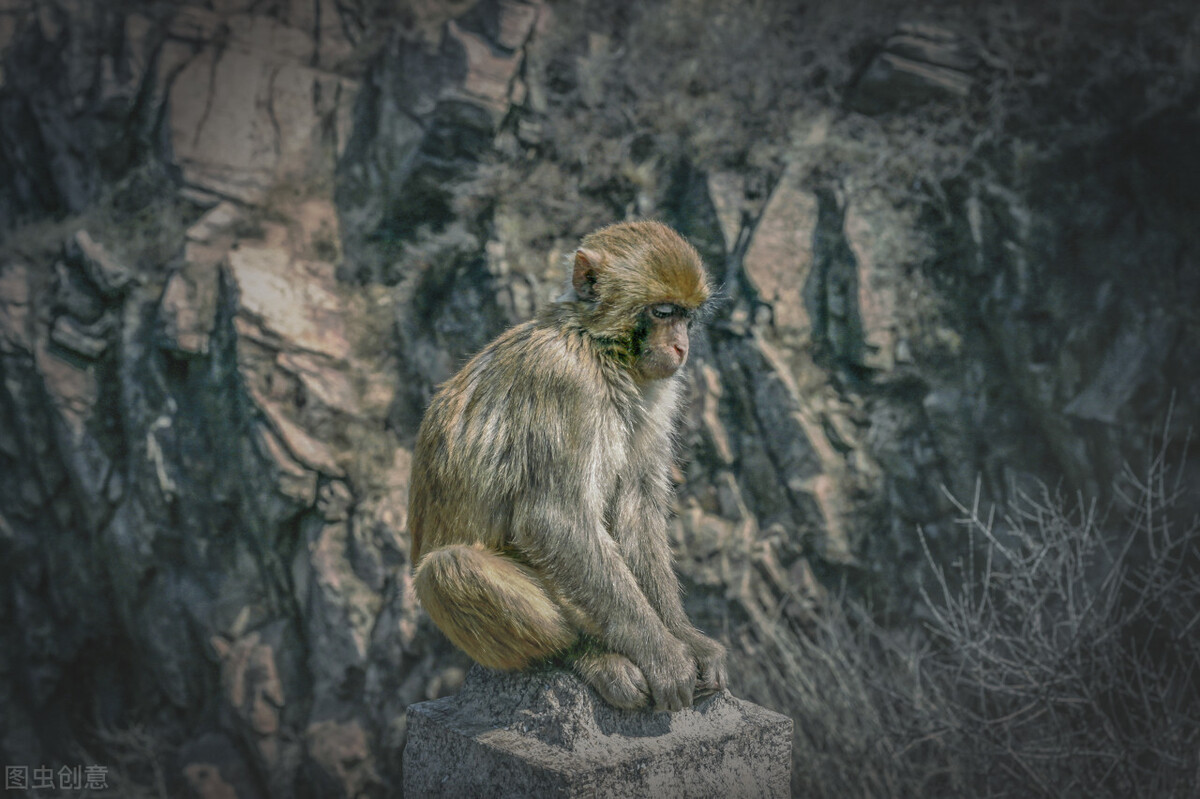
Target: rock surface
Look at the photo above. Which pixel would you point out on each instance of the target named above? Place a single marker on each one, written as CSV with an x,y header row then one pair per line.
x,y
547,734
919,63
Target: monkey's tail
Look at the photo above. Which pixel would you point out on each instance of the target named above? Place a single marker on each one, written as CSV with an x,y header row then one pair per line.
x,y
490,606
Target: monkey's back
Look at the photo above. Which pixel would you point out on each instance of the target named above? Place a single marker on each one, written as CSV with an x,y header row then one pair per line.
x,y
525,418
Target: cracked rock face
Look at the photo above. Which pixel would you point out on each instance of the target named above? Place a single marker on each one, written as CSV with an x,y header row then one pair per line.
x,y
246,107
262,240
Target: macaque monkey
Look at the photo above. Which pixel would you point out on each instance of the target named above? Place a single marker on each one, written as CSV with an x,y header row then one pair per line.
x,y
541,482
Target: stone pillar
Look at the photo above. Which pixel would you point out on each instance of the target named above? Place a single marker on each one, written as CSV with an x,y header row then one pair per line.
x,y
546,734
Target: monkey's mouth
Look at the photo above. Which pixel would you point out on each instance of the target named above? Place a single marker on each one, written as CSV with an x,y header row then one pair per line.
x,y
659,365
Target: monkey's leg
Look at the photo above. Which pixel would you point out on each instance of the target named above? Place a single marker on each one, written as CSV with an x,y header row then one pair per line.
x,y
491,607
615,677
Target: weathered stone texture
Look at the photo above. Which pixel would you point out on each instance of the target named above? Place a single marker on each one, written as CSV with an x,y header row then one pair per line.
x,y
547,735
919,63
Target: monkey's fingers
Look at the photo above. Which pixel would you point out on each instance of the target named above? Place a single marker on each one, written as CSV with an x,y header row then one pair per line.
x,y
711,675
707,686
671,674
615,678
673,700
675,695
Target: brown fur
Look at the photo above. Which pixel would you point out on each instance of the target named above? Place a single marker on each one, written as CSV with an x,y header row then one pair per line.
x,y
541,481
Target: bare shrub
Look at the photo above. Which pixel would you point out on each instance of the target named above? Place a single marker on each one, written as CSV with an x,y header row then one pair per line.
x,y
1060,656
1070,647
862,708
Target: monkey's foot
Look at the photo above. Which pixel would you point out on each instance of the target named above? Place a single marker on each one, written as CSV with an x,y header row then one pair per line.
x,y
615,677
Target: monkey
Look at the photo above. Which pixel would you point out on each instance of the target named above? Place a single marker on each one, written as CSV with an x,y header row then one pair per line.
x,y
541,486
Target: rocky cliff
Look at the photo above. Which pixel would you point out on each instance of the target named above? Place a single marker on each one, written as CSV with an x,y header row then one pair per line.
x,y
243,242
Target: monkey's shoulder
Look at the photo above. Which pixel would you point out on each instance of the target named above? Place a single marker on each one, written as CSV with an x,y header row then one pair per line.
x,y
540,361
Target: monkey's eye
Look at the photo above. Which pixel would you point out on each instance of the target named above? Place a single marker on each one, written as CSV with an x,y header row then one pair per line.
x,y
664,311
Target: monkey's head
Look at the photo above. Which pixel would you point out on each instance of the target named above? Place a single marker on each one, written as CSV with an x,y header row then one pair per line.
x,y
639,285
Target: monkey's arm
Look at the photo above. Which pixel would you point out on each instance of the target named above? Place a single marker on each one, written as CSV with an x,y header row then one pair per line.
x,y
640,527
558,526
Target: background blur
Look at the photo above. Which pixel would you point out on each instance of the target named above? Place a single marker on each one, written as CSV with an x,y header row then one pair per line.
x,y
935,484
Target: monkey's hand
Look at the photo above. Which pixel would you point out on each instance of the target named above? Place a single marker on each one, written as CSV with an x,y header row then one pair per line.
x,y
671,674
710,663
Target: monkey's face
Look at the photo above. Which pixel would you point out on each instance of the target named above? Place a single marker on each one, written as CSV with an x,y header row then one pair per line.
x,y
661,340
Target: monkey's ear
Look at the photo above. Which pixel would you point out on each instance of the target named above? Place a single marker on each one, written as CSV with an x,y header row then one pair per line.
x,y
587,269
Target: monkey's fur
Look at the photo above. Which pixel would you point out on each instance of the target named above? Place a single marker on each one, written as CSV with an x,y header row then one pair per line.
x,y
541,481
